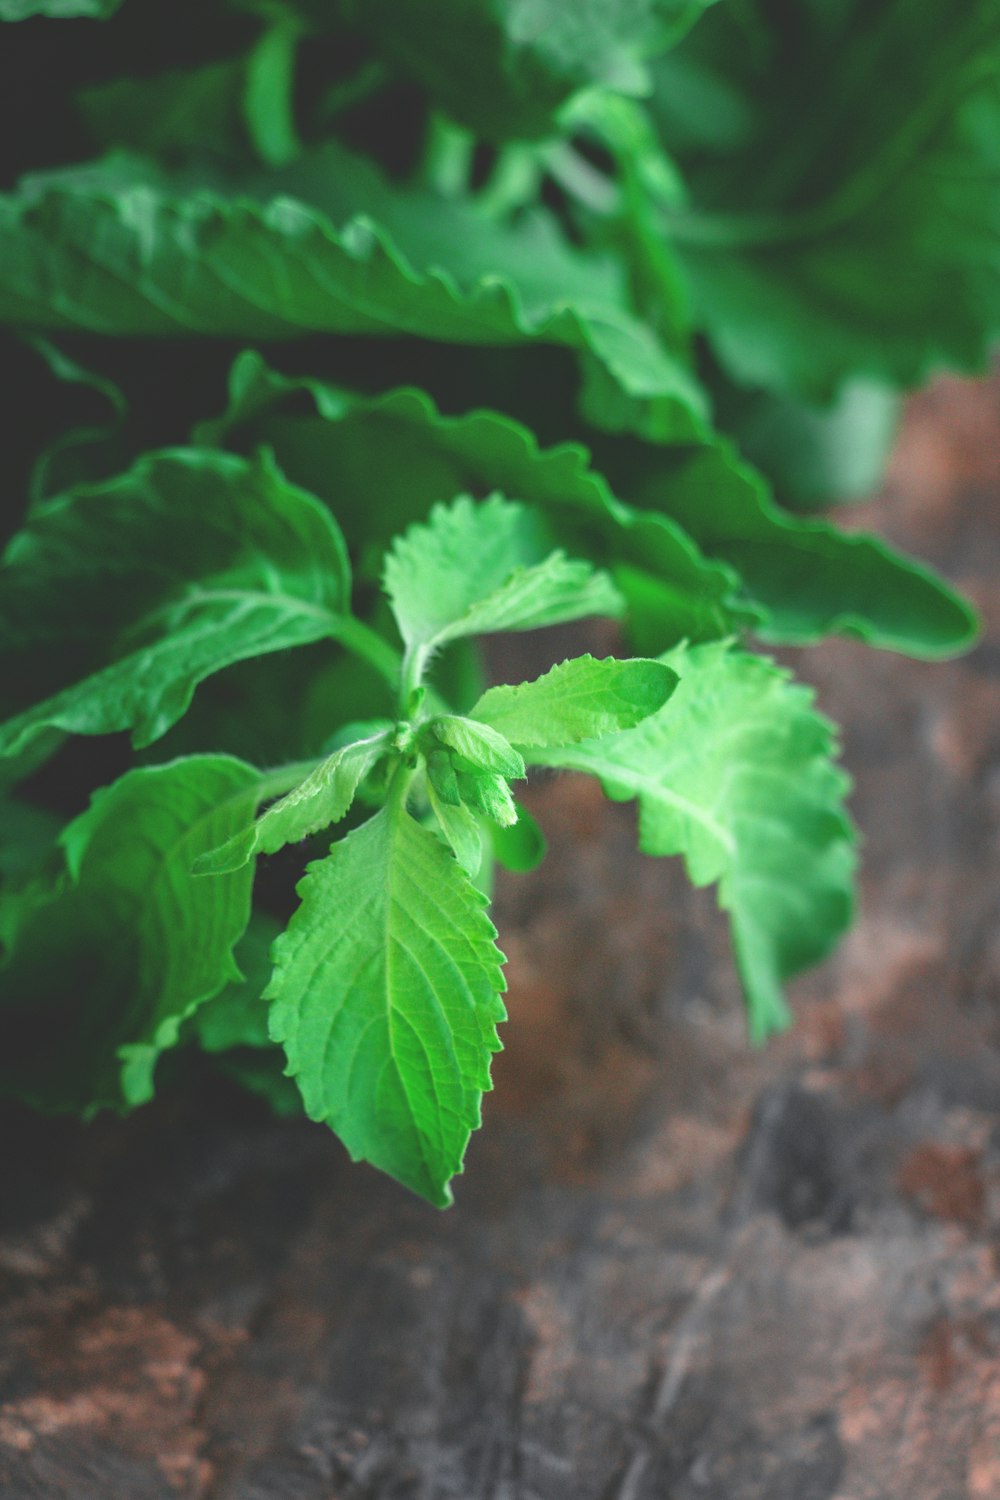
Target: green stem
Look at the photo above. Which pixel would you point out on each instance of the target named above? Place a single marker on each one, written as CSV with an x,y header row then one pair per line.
x,y
448,152
512,183
367,644
269,93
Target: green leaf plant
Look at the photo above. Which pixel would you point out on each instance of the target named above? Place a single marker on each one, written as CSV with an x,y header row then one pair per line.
x,y
499,316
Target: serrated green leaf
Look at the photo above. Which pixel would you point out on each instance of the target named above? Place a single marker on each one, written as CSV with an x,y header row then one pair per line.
x,y
736,774
326,245
320,799
386,997
482,747
577,700
344,448
116,600
106,972
473,569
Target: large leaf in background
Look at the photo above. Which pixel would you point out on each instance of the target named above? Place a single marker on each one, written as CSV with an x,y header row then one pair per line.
x,y
703,514
326,246
118,599
503,67
814,456
735,774
809,578
841,161
399,446
104,974
21,10
388,1014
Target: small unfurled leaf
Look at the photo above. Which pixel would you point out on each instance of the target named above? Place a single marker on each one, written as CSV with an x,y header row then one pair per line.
x,y
460,827
577,700
736,774
482,747
105,973
117,599
386,997
490,794
321,798
473,569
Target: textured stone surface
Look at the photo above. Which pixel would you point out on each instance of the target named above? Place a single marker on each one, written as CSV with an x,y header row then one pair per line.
x,y
676,1266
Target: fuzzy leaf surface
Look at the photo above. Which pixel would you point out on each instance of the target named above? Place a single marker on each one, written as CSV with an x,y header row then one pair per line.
x,y
386,997
736,774
116,600
321,798
473,569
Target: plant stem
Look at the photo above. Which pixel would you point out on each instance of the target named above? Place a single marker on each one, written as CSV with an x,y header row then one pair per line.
x,y
367,644
447,160
269,93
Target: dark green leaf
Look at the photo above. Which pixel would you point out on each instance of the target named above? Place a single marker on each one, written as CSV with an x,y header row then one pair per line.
x,y
324,246
104,974
843,222
503,67
117,600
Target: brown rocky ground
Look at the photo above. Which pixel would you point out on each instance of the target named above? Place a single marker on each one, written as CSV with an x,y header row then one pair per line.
x,y
676,1267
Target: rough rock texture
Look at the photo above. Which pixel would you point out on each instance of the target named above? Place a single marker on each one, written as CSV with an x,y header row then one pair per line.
x,y
676,1267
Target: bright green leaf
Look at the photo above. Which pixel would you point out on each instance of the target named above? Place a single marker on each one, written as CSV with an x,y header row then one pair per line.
x,y
736,775
473,569
460,827
116,600
577,700
386,997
